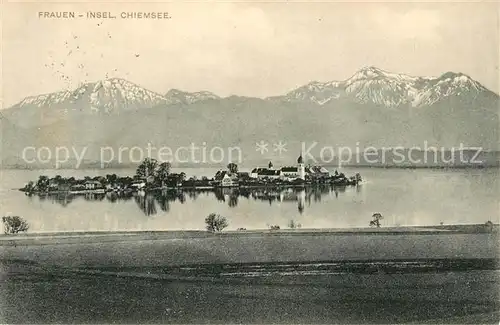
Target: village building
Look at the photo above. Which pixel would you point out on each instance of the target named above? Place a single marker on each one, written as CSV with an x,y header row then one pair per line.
x,y
284,173
92,185
317,172
290,173
138,184
77,188
226,179
174,179
266,173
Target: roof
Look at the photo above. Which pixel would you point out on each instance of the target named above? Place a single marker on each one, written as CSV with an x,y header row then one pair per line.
x,y
92,182
220,175
289,169
268,172
319,169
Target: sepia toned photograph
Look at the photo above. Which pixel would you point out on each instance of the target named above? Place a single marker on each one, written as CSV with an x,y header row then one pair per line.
x,y
237,162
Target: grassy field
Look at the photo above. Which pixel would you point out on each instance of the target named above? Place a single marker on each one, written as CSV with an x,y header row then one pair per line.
x,y
118,278
37,296
144,249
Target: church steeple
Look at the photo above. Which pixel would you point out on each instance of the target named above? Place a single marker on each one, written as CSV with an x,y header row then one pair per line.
x,y
300,160
301,168
270,165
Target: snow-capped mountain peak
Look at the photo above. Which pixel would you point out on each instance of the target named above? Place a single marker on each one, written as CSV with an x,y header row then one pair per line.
x,y
369,73
369,85
46,99
373,73
183,97
103,96
380,87
117,93
447,85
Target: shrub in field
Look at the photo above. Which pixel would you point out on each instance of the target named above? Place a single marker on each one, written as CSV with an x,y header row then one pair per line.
x,y
376,220
215,222
14,224
489,226
294,225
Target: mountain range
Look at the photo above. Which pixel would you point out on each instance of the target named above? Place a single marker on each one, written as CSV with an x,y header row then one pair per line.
x,y
372,108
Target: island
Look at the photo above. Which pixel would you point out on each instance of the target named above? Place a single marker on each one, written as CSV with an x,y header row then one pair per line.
x,y
152,175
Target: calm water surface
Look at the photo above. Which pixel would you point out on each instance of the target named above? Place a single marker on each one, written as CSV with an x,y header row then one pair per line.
x,y
404,197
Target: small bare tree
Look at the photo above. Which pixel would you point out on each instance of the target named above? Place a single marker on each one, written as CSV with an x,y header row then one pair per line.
x,y
376,220
14,224
215,222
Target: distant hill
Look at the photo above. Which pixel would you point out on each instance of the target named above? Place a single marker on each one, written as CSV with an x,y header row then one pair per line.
x,y
372,108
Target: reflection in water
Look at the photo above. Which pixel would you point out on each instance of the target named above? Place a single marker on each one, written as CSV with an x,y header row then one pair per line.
x,y
147,202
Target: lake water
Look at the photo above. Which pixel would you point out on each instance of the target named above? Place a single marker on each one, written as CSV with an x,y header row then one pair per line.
x,y
404,197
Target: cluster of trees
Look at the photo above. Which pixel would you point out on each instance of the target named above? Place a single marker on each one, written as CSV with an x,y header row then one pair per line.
x,y
153,171
45,183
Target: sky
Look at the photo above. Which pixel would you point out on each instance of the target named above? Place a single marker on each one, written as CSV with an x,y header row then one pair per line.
x,y
250,49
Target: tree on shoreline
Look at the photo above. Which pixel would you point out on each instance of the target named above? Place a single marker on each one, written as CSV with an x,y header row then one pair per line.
x,y
162,173
29,187
151,168
146,168
233,168
43,183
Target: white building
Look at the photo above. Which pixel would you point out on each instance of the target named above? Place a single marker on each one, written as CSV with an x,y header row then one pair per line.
x,y
297,172
262,173
92,185
224,179
289,173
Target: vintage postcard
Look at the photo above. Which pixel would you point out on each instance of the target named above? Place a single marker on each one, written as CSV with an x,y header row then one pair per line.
x,y
249,162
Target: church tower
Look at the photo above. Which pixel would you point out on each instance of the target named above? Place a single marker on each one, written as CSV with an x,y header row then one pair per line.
x,y
301,168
